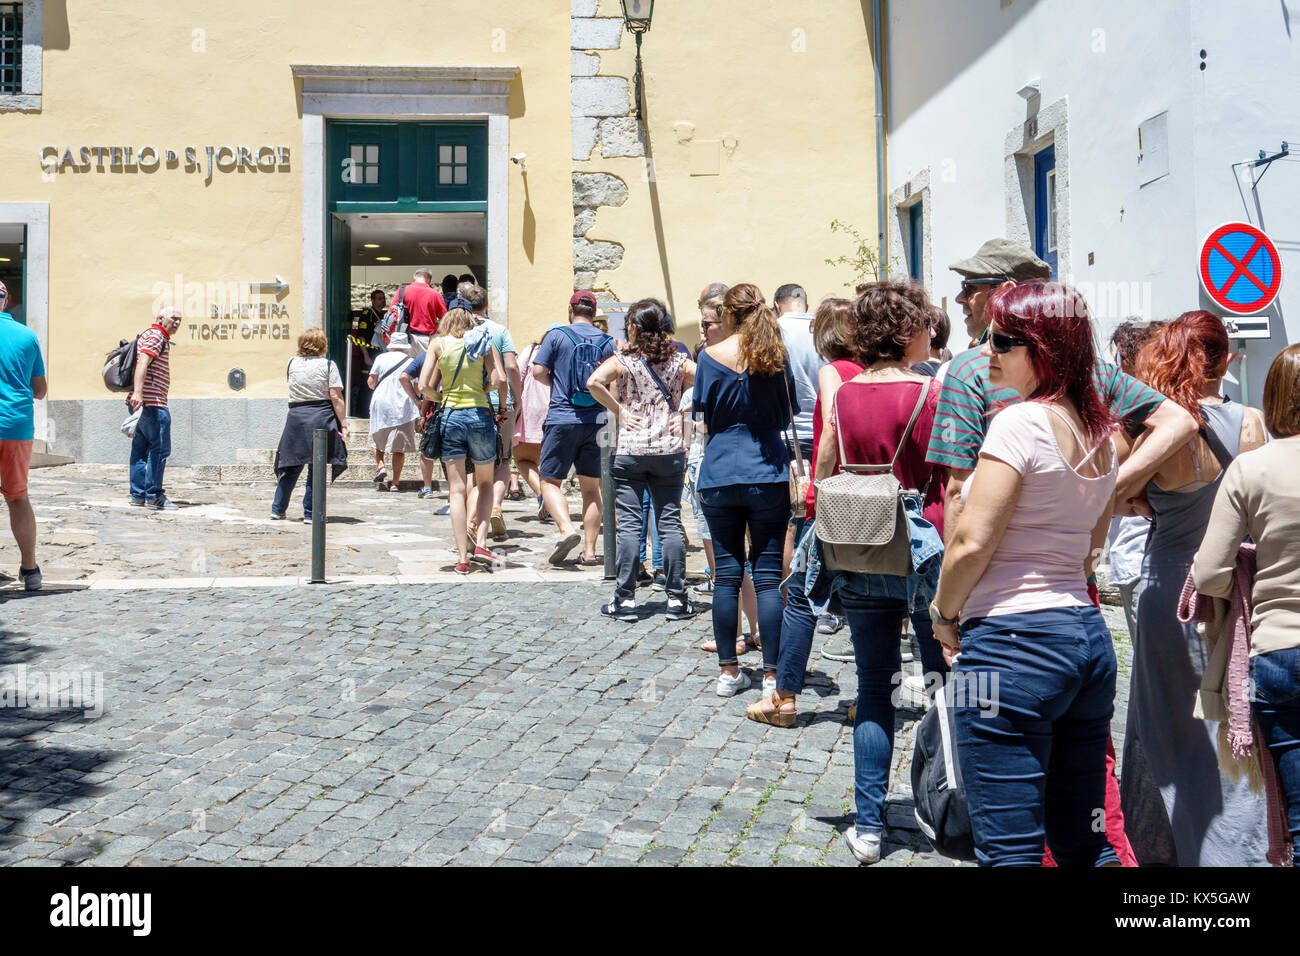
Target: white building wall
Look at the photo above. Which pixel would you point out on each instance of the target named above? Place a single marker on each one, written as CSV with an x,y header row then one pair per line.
x,y
955,67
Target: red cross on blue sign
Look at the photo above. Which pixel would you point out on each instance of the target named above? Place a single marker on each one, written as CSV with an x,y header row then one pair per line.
x,y
1240,268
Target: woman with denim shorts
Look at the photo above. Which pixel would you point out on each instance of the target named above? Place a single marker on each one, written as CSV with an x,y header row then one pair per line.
x,y
466,366
1034,686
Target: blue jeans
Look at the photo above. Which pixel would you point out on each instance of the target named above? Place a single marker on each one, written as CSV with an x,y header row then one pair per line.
x,y
1033,695
874,627
763,510
150,448
1276,679
284,484
650,524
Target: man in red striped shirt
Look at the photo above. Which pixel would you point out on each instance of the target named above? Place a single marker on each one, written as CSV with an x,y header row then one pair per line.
x,y
152,443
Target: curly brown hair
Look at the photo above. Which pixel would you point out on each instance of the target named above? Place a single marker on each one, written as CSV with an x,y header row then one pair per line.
x,y
654,331
761,345
890,314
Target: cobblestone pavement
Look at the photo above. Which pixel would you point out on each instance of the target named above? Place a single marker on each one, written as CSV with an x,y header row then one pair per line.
x,y
468,723
88,535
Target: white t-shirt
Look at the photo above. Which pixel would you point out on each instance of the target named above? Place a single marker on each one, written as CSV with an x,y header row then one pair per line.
x,y
310,379
1038,564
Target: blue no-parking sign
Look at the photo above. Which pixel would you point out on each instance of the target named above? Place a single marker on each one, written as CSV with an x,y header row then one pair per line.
x,y
1240,268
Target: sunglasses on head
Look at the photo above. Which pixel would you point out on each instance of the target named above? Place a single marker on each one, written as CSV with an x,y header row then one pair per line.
x,y
1002,343
973,285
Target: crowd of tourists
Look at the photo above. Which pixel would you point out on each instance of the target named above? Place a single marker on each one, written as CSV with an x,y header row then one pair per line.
x,y
843,465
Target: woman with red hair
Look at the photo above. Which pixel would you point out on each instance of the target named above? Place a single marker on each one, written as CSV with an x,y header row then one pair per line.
x,y
1034,685
1178,808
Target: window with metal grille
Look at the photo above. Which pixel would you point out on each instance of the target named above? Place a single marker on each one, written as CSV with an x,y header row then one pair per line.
x,y
11,47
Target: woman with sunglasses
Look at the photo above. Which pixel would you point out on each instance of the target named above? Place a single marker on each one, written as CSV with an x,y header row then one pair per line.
x,y
1034,685
1178,808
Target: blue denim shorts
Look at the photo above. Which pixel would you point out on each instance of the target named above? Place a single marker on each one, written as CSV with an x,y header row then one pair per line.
x,y
469,433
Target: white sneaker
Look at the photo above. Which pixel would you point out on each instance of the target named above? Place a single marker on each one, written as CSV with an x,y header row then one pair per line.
x,y
769,686
731,686
864,846
911,692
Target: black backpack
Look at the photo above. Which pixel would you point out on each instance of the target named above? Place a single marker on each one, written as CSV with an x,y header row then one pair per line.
x,y
119,367
941,809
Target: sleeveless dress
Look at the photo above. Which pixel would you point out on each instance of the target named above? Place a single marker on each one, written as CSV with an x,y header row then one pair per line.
x,y
1178,808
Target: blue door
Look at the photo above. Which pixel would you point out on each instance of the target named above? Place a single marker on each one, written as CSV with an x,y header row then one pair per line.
x,y
1045,206
915,229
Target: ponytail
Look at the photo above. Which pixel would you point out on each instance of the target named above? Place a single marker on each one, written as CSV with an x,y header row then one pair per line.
x,y
761,347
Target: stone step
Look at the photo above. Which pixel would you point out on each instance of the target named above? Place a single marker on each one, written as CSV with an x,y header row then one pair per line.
x,y
357,475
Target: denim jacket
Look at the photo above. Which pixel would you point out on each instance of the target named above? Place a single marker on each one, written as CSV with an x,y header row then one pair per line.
x,y
917,589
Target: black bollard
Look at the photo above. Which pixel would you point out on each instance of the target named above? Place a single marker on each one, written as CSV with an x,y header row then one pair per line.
x,y
320,443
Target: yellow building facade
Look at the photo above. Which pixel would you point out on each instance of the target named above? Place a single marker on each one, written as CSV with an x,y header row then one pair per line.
x,y
255,164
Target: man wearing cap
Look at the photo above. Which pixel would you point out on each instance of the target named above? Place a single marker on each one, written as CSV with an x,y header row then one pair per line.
x,y
968,401
22,379
570,434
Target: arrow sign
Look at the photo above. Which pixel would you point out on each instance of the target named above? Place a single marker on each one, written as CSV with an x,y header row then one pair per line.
x,y
278,286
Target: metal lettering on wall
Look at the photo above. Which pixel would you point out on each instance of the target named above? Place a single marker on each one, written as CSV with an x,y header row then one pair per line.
x,y
121,159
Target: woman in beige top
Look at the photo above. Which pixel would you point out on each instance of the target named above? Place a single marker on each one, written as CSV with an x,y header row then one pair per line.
x,y
1260,496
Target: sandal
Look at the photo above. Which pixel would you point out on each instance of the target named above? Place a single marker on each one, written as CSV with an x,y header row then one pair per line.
x,y
769,711
516,495
743,645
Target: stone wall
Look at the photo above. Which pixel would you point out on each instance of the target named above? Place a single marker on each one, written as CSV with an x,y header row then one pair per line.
x,y
602,116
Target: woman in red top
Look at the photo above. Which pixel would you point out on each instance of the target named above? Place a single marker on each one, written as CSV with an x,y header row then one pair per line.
x,y
871,420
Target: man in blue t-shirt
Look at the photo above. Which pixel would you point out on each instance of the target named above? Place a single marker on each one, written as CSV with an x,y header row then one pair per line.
x,y
22,379
570,433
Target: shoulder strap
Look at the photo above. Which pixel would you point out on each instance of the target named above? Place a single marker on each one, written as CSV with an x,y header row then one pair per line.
x,y
663,389
1077,437
456,374
288,365
1211,438
399,365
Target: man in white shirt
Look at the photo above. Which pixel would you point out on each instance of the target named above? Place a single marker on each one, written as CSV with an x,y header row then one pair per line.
x,y
791,304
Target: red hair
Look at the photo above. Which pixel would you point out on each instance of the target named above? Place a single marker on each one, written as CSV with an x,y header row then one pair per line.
x,y
1053,319
1185,354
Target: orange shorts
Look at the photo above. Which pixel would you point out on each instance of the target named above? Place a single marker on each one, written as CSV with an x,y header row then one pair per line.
x,y
15,459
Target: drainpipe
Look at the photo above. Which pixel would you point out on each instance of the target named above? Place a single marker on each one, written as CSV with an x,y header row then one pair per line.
x,y
882,192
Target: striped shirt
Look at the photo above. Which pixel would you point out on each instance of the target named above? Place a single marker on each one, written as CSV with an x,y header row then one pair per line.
x,y
968,402
155,343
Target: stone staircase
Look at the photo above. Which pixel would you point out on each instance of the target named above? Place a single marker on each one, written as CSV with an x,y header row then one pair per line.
x,y
258,464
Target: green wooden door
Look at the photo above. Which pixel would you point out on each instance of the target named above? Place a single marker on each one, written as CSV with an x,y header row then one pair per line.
x,y
338,308
407,167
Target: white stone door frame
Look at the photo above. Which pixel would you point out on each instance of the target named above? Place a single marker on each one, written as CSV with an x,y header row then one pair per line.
x,y
36,307
406,93
1048,126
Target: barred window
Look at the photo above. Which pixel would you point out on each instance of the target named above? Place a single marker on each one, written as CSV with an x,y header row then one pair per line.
x,y
11,47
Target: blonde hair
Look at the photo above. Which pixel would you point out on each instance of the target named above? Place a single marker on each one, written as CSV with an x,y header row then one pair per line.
x,y
312,342
457,322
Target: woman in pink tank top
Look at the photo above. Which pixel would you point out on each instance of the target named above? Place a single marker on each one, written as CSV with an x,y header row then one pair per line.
x,y
1034,686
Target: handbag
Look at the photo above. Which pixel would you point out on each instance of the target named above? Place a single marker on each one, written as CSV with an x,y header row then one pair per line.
x,y
942,811
861,515
798,501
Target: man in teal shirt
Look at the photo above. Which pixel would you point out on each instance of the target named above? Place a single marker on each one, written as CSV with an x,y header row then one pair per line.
x,y
22,380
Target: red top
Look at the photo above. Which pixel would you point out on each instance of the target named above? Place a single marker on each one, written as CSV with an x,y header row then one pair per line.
x,y
847,371
426,306
871,417
154,342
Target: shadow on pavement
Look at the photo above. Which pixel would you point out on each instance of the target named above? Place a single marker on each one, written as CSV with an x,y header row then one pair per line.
x,y
37,777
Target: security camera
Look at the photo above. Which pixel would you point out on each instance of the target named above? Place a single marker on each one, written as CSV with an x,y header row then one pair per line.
x,y
518,159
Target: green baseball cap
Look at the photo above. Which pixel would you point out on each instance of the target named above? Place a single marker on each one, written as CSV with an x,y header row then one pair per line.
x,y
1002,257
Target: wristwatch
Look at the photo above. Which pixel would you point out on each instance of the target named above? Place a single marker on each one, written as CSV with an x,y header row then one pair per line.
x,y
938,619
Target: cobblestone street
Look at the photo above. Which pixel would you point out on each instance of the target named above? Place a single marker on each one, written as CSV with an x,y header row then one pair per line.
x,y
494,720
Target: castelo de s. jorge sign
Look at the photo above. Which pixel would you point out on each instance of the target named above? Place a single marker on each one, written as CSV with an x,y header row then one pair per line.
x,y
189,159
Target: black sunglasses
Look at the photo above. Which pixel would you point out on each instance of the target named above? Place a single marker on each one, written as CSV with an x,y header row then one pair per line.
x,y
1002,343
970,285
